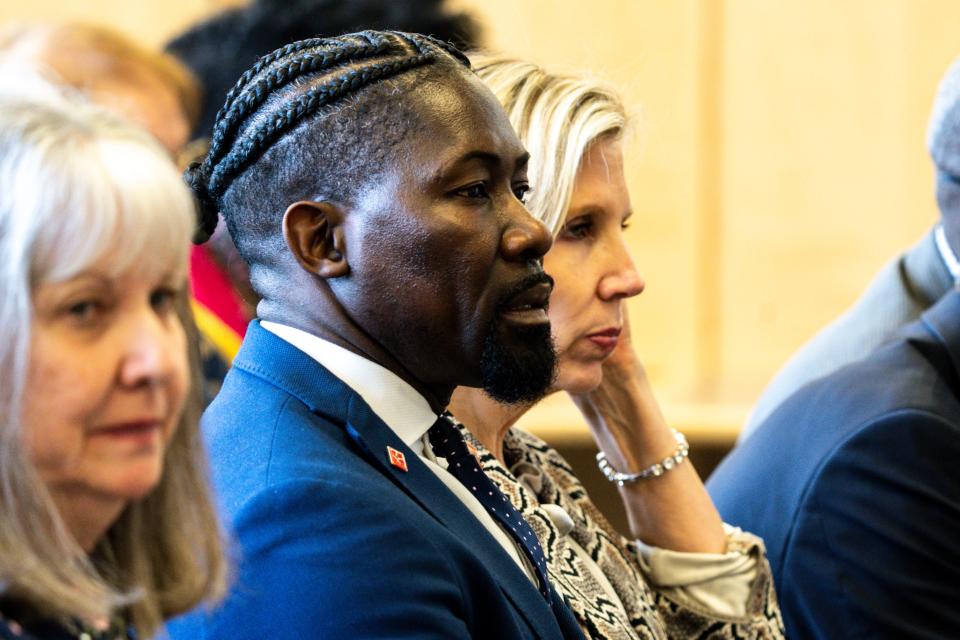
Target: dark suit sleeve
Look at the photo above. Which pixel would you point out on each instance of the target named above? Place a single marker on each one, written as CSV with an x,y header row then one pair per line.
x,y
875,549
351,569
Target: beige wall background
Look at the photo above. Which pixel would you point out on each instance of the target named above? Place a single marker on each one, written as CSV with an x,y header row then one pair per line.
x,y
779,161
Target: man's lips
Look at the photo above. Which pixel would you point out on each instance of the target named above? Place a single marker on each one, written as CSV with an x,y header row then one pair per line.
x,y
530,305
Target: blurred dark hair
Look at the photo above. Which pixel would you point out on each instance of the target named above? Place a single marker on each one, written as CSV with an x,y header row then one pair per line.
x,y
221,48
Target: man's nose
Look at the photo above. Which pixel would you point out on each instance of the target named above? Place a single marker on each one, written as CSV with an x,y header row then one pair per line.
x,y
526,238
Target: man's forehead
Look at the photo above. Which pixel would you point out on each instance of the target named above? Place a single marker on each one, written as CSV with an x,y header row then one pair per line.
x,y
460,117
445,95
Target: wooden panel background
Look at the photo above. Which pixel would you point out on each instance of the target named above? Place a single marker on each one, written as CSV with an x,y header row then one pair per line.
x,y
778,162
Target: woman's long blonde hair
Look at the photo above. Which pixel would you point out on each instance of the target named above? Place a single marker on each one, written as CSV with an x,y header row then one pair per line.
x,y
76,184
557,117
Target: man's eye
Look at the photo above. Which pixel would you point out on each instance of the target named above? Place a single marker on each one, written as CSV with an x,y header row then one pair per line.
x,y
522,191
475,191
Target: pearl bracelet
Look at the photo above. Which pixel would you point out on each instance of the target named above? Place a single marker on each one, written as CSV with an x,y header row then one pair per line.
x,y
653,471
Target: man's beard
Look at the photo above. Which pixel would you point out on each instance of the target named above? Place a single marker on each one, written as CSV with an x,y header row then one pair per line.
x,y
518,362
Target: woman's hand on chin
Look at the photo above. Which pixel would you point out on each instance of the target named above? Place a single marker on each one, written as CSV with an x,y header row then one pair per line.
x,y
623,401
672,511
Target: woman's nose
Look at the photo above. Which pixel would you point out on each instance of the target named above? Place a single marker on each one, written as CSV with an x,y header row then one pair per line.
x,y
622,280
150,353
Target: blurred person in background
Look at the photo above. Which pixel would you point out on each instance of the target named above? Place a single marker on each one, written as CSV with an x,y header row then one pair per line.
x,y
853,480
685,575
151,89
155,91
106,524
905,288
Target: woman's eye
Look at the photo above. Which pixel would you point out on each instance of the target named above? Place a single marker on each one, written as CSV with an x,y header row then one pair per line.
x,y
162,299
625,225
84,311
474,191
579,229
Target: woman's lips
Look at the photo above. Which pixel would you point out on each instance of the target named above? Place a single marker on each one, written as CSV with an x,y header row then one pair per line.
x,y
141,431
606,340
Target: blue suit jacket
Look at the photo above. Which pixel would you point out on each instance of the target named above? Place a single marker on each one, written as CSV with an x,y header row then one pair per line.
x,y
332,540
854,484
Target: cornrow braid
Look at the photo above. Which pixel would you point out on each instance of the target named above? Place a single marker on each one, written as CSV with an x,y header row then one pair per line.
x,y
265,62
196,176
420,42
255,116
304,106
233,112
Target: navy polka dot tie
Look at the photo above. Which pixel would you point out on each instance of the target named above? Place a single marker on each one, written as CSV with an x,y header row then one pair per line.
x,y
447,442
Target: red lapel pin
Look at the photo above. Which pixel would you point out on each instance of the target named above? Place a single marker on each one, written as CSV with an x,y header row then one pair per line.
x,y
397,458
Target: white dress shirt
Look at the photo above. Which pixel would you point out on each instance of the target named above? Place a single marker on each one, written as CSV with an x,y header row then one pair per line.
x,y
946,253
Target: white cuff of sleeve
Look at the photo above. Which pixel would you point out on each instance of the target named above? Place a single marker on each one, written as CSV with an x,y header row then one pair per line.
x,y
718,583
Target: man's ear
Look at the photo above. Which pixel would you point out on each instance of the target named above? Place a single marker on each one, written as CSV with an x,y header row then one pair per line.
x,y
314,234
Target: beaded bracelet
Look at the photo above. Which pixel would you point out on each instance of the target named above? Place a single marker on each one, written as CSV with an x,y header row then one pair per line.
x,y
653,471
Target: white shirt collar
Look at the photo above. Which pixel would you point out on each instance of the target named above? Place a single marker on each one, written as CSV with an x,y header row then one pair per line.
x,y
946,253
398,404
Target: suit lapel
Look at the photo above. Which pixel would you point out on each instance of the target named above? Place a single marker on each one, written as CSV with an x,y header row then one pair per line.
x,y
943,321
423,486
267,356
925,276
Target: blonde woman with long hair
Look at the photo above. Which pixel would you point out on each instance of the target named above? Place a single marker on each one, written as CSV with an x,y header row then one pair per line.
x,y
684,575
106,524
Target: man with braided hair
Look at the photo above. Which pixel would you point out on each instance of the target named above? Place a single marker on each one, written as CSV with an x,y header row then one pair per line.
x,y
218,50
375,187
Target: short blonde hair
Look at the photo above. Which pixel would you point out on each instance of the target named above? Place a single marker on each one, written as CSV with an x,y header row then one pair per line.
x,y
557,117
76,183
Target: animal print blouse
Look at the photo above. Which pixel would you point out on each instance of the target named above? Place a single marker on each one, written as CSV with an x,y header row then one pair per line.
x,y
643,610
